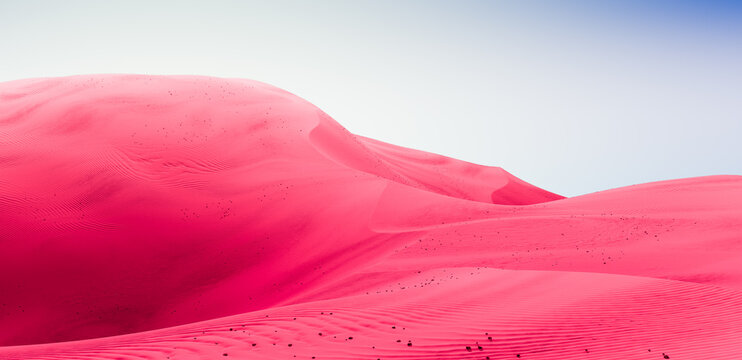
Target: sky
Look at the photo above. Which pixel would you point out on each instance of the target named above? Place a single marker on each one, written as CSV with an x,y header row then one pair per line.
x,y
571,96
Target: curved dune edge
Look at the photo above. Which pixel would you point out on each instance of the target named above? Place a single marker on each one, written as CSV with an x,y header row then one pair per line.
x,y
144,216
438,314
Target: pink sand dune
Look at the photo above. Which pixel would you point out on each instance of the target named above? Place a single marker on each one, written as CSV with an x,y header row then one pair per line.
x,y
189,217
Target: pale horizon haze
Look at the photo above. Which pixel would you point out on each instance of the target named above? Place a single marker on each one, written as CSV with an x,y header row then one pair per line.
x,y
571,96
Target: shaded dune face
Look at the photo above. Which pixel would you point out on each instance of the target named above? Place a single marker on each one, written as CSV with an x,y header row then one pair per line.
x,y
193,217
138,202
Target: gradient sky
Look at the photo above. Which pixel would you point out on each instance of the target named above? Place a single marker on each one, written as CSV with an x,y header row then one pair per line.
x,y
572,96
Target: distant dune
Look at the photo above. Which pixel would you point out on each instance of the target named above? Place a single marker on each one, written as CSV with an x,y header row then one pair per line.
x,y
185,217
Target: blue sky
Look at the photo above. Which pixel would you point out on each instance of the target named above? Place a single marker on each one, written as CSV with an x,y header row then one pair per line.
x,y
573,96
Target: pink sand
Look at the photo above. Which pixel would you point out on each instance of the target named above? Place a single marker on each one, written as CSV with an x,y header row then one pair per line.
x,y
189,217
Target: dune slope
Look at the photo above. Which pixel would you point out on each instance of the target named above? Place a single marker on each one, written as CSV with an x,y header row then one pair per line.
x,y
196,217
